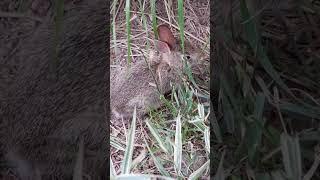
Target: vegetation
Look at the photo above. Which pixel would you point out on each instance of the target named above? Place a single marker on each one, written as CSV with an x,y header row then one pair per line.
x,y
174,141
266,90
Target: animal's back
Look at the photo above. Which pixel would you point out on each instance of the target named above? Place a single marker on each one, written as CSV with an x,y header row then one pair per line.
x,y
132,86
141,85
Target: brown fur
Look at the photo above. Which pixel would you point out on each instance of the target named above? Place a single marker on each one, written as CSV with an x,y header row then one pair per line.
x,y
135,86
42,117
166,36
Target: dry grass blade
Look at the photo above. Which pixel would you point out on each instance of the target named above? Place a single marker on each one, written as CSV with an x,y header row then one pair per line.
x,y
113,172
141,177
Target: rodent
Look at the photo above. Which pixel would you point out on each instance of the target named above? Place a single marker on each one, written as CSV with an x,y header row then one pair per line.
x,y
141,84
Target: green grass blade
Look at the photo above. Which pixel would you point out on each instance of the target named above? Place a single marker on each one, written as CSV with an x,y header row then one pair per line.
x,y
215,125
199,123
312,112
228,112
220,174
126,164
128,30
114,143
156,161
178,146
144,21
113,25
154,17
254,41
290,149
157,136
278,175
255,128
181,22
197,174
207,139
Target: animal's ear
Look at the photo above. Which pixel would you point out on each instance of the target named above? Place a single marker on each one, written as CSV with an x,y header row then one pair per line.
x,y
165,35
162,46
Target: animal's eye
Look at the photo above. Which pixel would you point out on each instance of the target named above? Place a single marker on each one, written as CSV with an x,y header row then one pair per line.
x,y
188,57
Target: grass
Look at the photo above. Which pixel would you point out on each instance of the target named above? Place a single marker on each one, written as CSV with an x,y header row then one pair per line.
x,y
128,29
265,118
265,102
167,146
174,141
